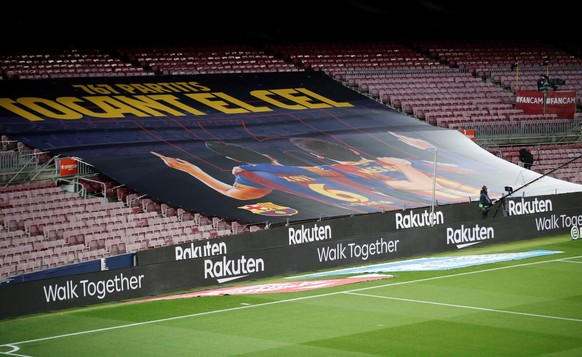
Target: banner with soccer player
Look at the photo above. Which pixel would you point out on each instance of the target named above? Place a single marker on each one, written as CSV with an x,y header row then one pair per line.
x,y
260,147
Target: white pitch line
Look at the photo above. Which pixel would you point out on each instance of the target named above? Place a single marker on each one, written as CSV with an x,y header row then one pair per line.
x,y
467,307
353,291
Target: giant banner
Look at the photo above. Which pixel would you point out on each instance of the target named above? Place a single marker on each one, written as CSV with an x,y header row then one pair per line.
x,y
260,147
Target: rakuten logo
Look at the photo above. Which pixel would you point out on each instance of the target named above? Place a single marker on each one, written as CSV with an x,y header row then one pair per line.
x,y
227,269
306,235
466,236
521,207
423,219
201,251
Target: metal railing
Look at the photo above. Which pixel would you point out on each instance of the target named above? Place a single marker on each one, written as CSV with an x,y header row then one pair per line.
x,y
528,128
26,166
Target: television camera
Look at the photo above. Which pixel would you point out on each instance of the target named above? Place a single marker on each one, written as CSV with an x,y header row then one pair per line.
x,y
544,82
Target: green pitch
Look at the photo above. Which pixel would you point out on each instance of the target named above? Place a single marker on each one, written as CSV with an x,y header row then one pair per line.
x,y
529,307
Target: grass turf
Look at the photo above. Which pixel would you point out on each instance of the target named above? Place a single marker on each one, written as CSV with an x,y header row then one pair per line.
x,y
530,307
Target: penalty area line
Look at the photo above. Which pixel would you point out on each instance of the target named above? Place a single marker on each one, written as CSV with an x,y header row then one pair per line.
x,y
467,307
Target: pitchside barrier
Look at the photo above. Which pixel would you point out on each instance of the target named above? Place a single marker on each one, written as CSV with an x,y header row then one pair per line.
x,y
299,248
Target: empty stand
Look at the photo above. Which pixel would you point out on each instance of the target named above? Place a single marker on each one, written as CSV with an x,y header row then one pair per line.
x,y
451,84
65,63
46,227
